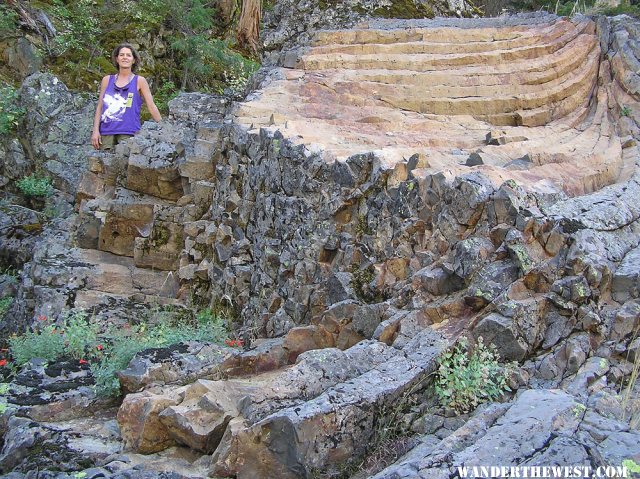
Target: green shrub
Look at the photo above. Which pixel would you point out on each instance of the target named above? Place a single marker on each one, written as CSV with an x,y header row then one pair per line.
x,y
35,186
237,77
5,304
10,112
119,351
78,26
4,389
8,21
167,92
465,380
111,351
44,342
81,335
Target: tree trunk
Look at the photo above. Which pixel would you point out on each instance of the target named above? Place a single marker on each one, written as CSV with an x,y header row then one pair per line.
x,y
226,9
249,25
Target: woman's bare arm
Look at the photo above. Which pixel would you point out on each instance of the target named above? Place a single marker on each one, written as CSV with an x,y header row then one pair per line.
x,y
148,98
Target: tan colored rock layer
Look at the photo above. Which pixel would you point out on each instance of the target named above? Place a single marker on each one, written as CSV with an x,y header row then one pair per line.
x,y
441,91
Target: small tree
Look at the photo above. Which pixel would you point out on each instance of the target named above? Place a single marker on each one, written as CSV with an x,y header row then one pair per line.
x,y
249,25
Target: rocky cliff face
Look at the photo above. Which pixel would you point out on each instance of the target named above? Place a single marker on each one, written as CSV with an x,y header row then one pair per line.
x,y
388,189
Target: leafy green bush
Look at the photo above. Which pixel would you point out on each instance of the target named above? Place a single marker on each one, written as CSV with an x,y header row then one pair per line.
x,y
8,21
45,342
78,26
5,304
76,336
119,351
111,351
81,335
10,112
167,92
465,380
35,186
120,347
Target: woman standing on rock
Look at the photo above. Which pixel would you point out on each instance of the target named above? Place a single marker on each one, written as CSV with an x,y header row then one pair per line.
x,y
118,113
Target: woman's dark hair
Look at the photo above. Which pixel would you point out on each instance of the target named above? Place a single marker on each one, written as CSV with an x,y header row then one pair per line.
x,y
136,57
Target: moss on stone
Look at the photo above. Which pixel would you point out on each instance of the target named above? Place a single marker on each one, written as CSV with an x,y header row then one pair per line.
x,y
405,9
160,236
361,278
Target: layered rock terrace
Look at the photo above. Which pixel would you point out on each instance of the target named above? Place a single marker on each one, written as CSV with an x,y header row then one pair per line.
x,y
513,98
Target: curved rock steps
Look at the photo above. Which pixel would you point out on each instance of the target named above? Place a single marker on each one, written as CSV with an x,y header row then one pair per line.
x,y
397,88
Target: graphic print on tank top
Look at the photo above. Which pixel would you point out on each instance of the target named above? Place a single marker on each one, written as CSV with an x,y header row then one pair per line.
x,y
114,107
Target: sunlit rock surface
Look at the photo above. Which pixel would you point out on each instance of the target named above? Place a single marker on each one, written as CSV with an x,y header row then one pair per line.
x,y
523,98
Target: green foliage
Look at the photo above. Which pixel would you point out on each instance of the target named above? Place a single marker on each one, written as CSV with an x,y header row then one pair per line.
x,y
167,92
237,77
465,380
76,337
35,186
190,34
5,304
80,334
631,466
624,8
4,389
79,337
573,7
120,350
121,346
44,342
78,26
8,21
625,111
10,112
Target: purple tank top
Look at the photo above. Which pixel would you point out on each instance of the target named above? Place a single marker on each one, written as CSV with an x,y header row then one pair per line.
x,y
121,108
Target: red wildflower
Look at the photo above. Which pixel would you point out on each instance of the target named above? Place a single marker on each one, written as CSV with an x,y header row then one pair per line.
x,y
3,362
42,317
84,361
99,347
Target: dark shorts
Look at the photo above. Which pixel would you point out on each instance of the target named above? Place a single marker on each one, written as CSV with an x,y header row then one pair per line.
x,y
109,142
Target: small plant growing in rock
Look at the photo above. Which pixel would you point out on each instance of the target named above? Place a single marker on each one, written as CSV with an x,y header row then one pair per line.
x,y
34,186
45,341
237,76
631,466
579,409
10,112
625,111
80,335
5,304
4,389
110,351
466,379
